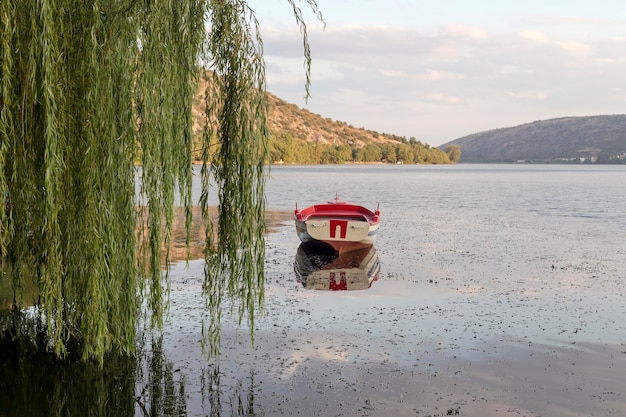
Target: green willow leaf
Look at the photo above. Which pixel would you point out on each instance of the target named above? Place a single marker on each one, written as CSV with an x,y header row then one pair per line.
x,y
88,89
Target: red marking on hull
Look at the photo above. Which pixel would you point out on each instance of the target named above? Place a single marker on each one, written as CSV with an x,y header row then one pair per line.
x,y
340,285
343,228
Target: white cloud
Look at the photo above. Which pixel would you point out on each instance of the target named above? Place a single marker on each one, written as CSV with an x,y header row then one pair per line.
x,y
464,31
574,47
442,98
426,75
528,95
533,35
413,81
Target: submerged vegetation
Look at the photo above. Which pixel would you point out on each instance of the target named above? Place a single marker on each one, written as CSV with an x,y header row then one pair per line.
x,y
86,90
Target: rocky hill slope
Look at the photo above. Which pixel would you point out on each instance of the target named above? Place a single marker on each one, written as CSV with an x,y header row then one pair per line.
x,y
304,125
311,127
298,136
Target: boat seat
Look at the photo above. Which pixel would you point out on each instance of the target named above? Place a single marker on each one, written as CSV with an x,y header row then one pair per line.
x,y
338,215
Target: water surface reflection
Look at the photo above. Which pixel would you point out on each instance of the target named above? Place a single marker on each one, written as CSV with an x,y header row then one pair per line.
x,y
34,382
318,268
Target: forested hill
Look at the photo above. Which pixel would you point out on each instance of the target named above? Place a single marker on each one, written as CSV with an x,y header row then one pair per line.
x,y
298,136
286,117
591,139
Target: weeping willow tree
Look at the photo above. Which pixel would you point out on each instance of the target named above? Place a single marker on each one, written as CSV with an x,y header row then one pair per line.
x,y
87,89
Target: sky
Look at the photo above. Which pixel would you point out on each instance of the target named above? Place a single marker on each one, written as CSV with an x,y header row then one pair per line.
x,y
439,70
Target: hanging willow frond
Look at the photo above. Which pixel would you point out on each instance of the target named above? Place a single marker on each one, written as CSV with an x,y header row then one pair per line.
x,y
167,76
236,118
7,107
297,12
87,89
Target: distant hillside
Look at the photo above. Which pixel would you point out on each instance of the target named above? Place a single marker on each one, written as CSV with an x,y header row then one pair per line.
x,y
311,127
298,136
304,125
599,139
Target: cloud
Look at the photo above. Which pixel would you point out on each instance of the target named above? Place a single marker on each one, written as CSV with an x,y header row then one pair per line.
x,y
385,79
574,47
533,35
464,31
442,98
426,75
529,95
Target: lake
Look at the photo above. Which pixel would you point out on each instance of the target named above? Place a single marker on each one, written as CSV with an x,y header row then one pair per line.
x,y
500,293
492,277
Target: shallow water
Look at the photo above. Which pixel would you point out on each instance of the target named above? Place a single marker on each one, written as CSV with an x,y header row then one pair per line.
x,y
501,292
485,271
544,242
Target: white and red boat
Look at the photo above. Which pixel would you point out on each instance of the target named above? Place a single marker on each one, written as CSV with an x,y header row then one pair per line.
x,y
343,226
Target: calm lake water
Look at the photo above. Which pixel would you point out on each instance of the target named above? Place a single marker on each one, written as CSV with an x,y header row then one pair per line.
x,y
486,270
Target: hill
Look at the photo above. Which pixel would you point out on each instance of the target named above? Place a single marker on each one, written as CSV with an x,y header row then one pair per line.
x,y
298,136
301,137
311,127
599,139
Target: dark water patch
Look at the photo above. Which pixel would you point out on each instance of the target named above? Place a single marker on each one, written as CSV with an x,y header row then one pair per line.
x,y
35,382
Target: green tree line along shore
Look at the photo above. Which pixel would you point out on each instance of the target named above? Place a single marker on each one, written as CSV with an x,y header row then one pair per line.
x,y
284,148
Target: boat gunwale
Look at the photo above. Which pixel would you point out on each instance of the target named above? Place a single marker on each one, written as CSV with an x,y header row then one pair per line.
x,y
342,211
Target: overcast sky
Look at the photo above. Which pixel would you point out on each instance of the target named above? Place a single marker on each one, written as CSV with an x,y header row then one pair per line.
x,y
441,69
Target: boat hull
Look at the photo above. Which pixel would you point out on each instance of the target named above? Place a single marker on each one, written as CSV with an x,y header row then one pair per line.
x,y
342,226
342,235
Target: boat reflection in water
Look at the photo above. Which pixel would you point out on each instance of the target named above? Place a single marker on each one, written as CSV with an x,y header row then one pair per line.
x,y
320,269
